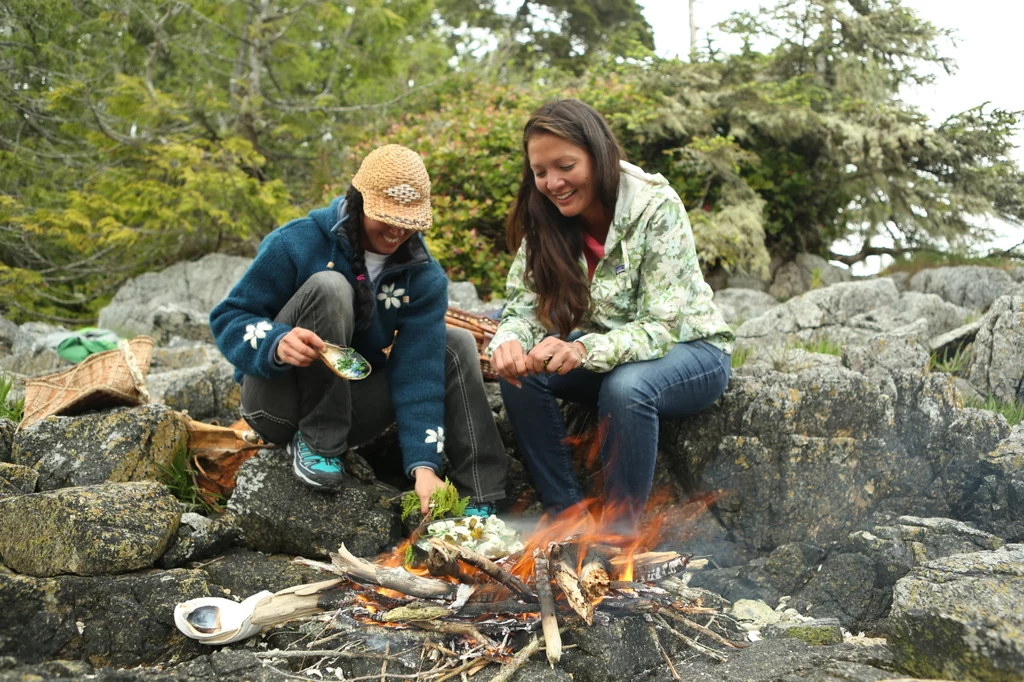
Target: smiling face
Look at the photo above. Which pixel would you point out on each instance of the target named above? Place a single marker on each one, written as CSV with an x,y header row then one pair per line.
x,y
379,237
564,173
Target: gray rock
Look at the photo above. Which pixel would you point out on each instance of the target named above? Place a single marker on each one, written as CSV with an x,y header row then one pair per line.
x,y
969,286
900,279
754,611
29,364
17,480
817,632
939,315
855,582
786,360
997,363
243,572
464,295
952,341
900,349
123,620
737,305
993,497
819,313
959,617
744,280
277,513
166,359
204,392
620,650
791,660
811,456
7,430
197,286
31,335
9,334
199,537
804,273
92,530
173,320
790,566
124,444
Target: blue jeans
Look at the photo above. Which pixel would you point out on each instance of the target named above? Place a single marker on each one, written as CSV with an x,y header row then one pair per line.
x,y
630,400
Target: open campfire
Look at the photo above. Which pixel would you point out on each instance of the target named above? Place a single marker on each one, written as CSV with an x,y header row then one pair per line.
x,y
570,573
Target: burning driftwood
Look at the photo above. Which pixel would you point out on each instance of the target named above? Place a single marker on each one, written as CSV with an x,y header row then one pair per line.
x,y
488,605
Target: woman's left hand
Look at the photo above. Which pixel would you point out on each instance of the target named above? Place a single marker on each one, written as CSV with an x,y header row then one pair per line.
x,y
426,483
555,356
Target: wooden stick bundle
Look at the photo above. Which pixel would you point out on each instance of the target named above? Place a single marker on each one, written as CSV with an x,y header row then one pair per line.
x,y
492,569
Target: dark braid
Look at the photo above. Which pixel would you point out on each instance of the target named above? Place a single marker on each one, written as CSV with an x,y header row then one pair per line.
x,y
354,229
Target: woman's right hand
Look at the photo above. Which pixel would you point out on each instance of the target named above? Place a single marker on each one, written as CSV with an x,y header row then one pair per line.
x,y
509,361
299,347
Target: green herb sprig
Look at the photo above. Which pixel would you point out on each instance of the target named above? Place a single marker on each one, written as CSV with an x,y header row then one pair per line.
x,y
444,501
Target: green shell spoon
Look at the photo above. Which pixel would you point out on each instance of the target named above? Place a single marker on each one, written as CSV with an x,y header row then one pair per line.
x,y
345,362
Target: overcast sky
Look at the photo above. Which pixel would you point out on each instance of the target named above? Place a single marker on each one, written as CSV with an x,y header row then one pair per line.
x,y
986,51
988,44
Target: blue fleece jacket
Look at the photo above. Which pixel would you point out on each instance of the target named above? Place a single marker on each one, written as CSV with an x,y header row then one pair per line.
x,y
412,297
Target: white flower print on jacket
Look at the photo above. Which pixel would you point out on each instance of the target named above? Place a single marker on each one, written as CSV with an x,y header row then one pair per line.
x,y
255,332
436,437
391,297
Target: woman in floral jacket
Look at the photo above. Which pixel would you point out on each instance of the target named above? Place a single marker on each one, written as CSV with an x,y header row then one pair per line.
x,y
357,273
606,305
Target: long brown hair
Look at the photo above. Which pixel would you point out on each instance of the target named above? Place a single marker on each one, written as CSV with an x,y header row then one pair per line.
x,y
554,243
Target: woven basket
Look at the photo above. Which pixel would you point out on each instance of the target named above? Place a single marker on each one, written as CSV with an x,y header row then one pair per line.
x,y
482,329
107,379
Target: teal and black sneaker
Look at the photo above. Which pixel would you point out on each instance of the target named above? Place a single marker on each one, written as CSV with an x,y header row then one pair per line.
x,y
482,509
314,470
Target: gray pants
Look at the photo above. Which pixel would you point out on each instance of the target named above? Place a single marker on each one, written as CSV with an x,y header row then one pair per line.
x,y
333,413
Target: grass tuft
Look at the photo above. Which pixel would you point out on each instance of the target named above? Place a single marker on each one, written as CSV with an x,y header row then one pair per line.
x,y
10,409
180,478
740,355
824,345
1013,411
951,364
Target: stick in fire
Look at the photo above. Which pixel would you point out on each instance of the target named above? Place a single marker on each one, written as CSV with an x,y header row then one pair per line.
x,y
548,616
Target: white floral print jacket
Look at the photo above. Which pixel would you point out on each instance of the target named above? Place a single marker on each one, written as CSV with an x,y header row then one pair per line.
x,y
647,294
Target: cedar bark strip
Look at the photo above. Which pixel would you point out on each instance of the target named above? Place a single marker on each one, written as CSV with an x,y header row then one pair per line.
x,y
548,616
566,579
294,602
397,579
487,566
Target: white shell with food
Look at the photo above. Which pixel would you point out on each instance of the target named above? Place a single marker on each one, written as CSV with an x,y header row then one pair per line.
x,y
213,620
345,362
487,536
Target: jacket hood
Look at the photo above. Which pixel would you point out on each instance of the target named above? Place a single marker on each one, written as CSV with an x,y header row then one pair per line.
x,y
634,184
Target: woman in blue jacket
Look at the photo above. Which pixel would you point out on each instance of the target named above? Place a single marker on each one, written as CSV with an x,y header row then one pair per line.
x,y
357,273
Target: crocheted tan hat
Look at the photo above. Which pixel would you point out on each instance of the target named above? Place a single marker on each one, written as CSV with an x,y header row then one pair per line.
x,y
395,187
